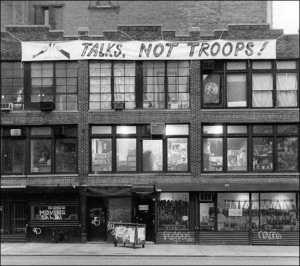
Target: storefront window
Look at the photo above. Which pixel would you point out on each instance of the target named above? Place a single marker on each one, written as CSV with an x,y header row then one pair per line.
x,y
237,154
207,212
173,211
177,154
13,160
126,154
101,155
65,157
53,212
212,154
152,155
233,211
262,154
41,156
279,211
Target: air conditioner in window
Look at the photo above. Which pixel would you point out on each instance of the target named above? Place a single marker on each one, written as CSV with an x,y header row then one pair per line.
x,y
59,130
6,106
157,129
208,67
119,105
47,106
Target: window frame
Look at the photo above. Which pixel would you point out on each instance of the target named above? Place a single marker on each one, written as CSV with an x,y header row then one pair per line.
x,y
35,106
28,138
142,133
249,71
139,85
250,142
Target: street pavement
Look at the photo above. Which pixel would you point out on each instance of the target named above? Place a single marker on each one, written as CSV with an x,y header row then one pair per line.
x,y
150,249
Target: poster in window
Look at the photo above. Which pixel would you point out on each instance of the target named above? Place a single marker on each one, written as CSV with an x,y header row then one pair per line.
x,y
212,89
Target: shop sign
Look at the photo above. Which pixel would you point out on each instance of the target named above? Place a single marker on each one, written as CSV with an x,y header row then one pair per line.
x,y
143,207
235,212
15,132
157,50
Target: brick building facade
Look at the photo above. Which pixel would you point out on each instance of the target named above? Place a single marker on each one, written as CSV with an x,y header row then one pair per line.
x,y
75,158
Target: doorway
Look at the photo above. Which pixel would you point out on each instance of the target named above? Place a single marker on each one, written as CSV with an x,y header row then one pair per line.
x,y
144,213
96,219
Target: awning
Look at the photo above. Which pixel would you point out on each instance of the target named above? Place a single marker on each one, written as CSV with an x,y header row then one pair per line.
x,y
119,191
142,190
108,191
226,187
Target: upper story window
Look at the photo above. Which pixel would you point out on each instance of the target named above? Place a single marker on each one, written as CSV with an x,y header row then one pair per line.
x,y
137,149
239,84
48,149
12,87
53,82
49,15
139,85
257,148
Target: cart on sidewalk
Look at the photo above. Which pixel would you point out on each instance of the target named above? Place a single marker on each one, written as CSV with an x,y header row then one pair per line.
x,y
130,233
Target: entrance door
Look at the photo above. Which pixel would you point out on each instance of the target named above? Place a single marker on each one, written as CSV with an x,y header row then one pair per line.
x,y
144,213
96,219
14,217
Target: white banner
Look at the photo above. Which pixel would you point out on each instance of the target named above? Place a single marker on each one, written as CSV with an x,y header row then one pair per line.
x,y
158,50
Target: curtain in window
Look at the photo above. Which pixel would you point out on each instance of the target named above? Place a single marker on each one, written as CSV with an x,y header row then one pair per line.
x,y
286,85
262,86
124,89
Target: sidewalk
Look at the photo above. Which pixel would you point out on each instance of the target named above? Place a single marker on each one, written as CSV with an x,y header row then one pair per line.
x,y
106,249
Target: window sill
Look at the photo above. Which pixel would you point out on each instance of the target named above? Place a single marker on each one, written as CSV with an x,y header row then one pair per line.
x,y
104,7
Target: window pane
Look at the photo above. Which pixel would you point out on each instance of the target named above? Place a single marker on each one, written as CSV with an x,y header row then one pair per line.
x,y
40,152
286,64
279,207
263,154
287,149
262,87
36,131
177,129
212,129
177,154
126,155
101,155
212,154
207,216
237,129
126,129
13,160
287,129
101,130
287,86
262,65
236,65
173,211
152,155
236,91
264,129
66,159
237,154
53,212
212,89
233,211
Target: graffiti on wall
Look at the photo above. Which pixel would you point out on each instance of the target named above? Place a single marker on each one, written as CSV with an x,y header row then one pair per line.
x,y
97,216
269,235
37,230
176,236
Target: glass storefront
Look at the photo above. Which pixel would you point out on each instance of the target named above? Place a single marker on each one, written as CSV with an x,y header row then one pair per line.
x,y
173,211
